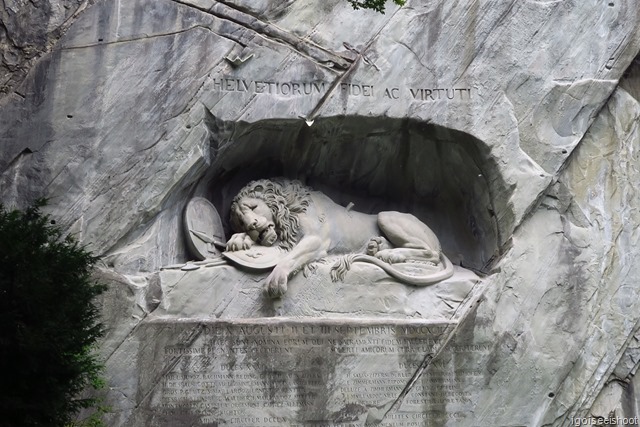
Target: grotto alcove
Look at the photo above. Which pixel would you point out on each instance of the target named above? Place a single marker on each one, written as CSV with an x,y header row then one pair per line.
x,y
445,177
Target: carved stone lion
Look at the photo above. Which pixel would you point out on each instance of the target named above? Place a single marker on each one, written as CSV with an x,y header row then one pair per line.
x,y
309,226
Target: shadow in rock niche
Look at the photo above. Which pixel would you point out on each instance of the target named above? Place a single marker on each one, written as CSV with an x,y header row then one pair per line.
x,y
374,218
445,177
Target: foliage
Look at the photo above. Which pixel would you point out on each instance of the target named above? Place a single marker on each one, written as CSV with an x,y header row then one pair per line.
x,y
377,5
48,321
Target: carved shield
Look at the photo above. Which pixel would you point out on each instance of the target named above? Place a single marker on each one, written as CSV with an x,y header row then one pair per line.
x,y
203,229
257,258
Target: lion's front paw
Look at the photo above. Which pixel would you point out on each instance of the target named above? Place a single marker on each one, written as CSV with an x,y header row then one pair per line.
x,y
239,242
391,256
276,284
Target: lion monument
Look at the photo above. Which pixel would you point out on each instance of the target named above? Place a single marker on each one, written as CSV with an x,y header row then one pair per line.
x,y
308,226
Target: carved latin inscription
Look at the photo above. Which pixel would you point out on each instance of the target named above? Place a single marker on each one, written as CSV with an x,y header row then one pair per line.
x,y
302,373
391,92
228,84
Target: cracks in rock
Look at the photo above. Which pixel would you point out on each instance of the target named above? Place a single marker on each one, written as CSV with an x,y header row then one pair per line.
x,y
270,32
165,295
114,178
129,335
574,153
187,342
594,115
123,394
195,99
237,8
31,58
240,9
145,37
609,64
279,10
318,54
478,50
25,152
401,43
374,419
155,143
349,71
595,384
624,382
7,34
360,54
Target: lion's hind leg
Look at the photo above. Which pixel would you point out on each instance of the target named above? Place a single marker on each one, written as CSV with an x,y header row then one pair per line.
x,y
400,255
377,244
412,238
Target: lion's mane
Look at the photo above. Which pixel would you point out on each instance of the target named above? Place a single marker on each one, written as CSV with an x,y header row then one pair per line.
x,y
286,200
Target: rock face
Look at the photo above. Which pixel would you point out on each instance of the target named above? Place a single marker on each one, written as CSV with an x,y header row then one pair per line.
x,y
27,31
511,128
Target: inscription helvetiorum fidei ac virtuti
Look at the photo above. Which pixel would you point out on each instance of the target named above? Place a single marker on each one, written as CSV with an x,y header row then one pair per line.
x,y
300,88
314,216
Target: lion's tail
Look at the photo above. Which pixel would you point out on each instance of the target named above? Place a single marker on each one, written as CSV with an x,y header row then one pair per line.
x,y
340,268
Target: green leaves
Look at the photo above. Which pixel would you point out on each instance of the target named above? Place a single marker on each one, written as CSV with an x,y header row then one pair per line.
x,y
377,5
48,321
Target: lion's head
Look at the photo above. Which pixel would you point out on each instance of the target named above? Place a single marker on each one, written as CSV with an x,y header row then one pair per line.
x,y
285,200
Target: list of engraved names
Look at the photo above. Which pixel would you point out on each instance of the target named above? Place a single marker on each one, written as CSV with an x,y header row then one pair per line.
x,y
230,372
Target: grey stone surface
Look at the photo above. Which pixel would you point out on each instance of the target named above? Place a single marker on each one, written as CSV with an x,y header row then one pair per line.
x,y
29,29
275,372
366,292
511,128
